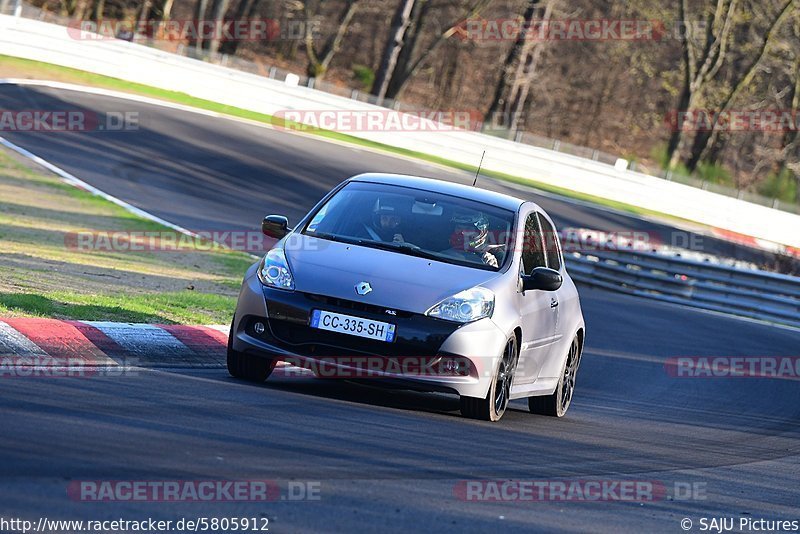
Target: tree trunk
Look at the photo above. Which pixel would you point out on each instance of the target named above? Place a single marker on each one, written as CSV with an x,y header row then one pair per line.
x,y
218,15
790,142
449,88
318,63
394,44
166,11
790,136
701,66
698,145
144,14
399,75
676,136
81,7
98,9
199,16
519,69
407,68
526,72
244,10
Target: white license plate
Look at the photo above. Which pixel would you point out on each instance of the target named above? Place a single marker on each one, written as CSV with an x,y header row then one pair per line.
x,y
355,326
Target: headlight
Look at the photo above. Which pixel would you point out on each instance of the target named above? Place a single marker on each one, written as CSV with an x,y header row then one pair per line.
x,y
274,270
468,305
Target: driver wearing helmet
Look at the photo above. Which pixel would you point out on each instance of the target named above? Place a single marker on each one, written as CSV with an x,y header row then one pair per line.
x,y
386,222
470,238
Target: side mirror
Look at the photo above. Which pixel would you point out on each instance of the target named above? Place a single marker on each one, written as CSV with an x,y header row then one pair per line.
x,y
543,279
275,226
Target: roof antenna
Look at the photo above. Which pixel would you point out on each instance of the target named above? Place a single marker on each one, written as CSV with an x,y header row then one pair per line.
x,y
475,181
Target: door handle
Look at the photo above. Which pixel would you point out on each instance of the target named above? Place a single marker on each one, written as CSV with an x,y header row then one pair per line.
x,y
553,303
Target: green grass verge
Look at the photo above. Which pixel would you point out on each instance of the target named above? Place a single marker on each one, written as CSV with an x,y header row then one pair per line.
x,y
42,275
27,68
165,308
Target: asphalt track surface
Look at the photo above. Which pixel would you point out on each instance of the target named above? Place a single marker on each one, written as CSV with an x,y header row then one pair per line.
x,y
386,460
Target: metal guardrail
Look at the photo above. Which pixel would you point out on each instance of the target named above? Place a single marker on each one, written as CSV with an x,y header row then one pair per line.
x,y
749,293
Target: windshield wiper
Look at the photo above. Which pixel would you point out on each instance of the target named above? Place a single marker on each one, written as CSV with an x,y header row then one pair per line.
x,y
394,246
333,237
399,246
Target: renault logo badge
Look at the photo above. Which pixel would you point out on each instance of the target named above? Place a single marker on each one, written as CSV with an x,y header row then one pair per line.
x,y
362,288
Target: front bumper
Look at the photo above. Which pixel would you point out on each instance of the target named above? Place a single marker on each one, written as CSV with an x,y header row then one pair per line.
x,y
288,336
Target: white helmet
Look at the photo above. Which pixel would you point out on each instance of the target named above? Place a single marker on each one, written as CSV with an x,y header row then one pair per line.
x,y
470,231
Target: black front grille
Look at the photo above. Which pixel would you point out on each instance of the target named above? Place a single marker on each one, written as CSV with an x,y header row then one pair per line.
x,y
289,318
355,306
316,342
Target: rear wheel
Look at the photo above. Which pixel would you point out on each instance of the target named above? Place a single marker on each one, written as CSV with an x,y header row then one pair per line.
x,y
246,366
494,405
557,404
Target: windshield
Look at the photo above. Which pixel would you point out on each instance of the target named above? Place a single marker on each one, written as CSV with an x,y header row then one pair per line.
x,y
416,222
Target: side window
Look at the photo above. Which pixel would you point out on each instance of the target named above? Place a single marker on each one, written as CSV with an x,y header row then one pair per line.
x,y
532,253
552,246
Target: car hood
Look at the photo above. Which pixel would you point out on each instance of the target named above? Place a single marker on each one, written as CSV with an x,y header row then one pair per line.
x,y
398,281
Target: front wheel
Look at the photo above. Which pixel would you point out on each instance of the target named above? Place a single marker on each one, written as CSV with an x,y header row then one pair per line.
x,y
494,405
557,404
246,366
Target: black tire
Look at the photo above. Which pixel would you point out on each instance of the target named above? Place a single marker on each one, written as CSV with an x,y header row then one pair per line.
x,y
557,404
494,405
246,366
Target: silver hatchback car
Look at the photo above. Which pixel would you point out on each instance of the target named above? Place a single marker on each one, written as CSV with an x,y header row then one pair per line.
x,y
416,283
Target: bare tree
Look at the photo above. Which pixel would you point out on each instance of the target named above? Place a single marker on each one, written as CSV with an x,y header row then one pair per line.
x,y
705,140
789,153
200,14
74,8
218,11
519,68
144,13
401,73
413,56
320,60
244,10
98,9
700,64
166,10
394,44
